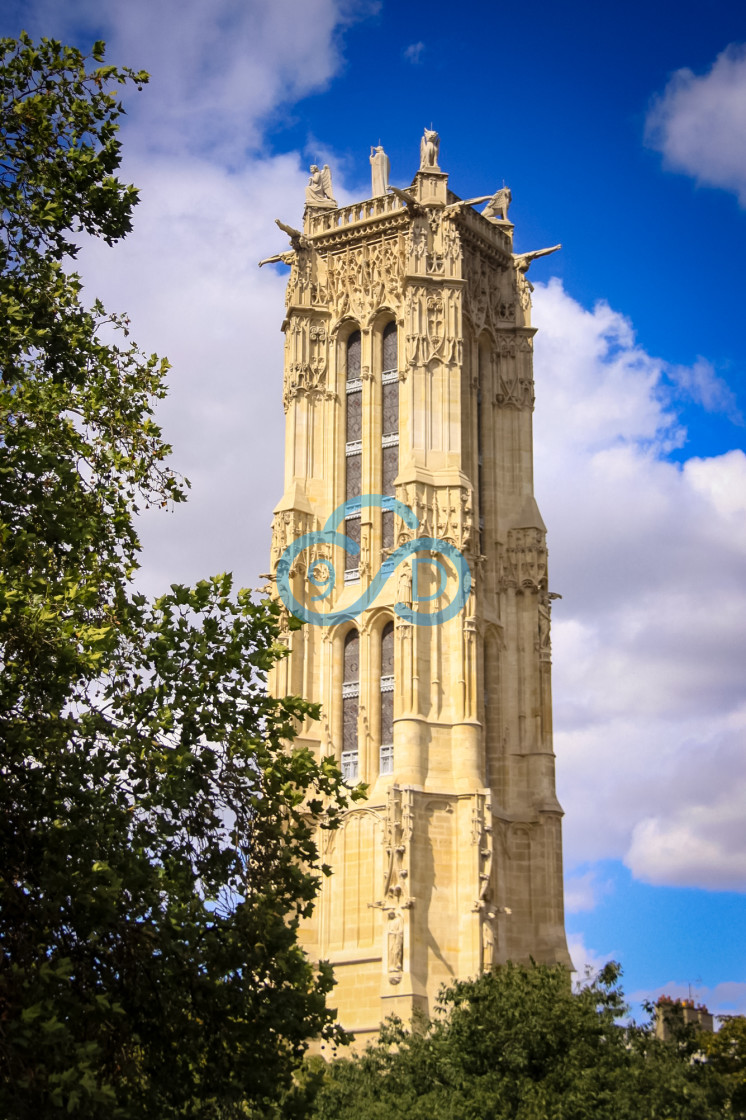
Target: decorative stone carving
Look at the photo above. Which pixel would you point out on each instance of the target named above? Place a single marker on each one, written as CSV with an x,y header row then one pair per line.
x,y
287,526
297,240
279,258
379,171
544,638
319,193
308,283
482,837
306,361
488,943
446,512
498,204
417,248
515,385
523,561
489,296
395,946
429,147
397,833
451,240
433,326
522,262
359,281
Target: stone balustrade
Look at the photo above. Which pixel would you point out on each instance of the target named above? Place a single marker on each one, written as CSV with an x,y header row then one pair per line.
x,y
328,220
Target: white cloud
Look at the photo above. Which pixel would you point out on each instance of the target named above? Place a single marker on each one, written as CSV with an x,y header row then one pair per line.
x,y
189,279
219,71
583,891
699,123
187,275
414,53
701,384
586,962
649,638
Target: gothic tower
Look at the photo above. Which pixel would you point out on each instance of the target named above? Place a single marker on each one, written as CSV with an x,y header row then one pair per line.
x,y
408,374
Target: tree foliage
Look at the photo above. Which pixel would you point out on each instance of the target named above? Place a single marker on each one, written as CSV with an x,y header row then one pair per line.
x,y
725,1052
519,1044
156,824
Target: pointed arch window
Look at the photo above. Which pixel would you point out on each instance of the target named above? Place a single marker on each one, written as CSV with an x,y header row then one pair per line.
x,y
386,755
389,426
350,705
353,445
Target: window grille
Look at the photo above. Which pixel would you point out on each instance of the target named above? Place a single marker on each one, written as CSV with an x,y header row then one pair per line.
x,y
386,752
350,705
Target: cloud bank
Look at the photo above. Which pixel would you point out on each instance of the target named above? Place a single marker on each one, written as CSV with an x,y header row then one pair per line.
x,y
648,553
194,142
649,638
699,123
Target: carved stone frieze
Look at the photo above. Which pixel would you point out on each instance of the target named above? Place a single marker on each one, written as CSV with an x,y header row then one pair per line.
x,y
417,248
515,388
451,247
490,294
445,512
363,278
432,326
510,343
287,526
523,560
307,286
307,345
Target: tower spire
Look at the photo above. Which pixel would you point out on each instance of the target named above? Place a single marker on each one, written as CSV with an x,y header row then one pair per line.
x,y
408,392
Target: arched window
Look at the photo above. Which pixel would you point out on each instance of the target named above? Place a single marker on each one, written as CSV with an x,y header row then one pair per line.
x,y
389,426
350,705
353,446
386,756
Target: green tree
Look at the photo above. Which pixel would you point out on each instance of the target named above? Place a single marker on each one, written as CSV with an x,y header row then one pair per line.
x,y
519,1044
156,823
725,1052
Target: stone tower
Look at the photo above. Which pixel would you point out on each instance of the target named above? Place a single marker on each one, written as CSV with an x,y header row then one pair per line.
x,y
408,374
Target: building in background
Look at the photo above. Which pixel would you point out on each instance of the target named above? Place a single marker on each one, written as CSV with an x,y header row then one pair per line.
x,y
672,1013
408,374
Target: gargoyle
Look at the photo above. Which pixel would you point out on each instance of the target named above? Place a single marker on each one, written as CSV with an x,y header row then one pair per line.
x,y
297,240
408,199
286,258
523,261
462,202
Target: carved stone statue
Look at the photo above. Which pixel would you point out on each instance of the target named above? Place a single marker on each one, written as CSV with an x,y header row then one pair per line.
x,y
379,171
395,942
284,258
429,146
488,945
523,261
404,586
497,207
297,240
319,190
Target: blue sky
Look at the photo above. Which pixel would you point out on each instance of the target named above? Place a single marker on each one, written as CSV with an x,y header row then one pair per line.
x,y
621,131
